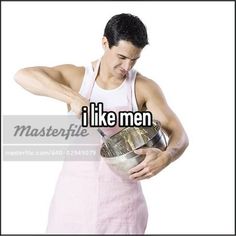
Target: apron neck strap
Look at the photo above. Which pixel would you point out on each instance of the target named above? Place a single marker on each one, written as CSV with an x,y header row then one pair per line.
x,y
128,80
92,81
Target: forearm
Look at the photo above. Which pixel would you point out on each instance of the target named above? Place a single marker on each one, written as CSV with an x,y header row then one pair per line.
x,y
39,82
61,92
178,142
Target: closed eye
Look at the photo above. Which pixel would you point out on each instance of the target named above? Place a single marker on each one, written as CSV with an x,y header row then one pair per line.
x,y
122,57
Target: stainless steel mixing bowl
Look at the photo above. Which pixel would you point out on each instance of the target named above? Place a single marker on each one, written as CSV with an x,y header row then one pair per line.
x,y
118,152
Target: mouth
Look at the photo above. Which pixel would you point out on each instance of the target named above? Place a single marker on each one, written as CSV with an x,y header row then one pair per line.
x,y
123,72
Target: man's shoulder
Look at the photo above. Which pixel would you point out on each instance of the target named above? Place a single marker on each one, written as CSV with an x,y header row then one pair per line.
x,y
142,80
145,89
147,86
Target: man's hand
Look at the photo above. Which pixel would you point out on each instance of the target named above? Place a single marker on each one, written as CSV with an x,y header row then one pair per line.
x,y
155,160
77,103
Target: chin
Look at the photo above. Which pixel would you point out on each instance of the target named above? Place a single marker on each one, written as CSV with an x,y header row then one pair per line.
x,y
119,75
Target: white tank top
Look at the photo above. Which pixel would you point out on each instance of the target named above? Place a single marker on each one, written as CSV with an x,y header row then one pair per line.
x,y
112,97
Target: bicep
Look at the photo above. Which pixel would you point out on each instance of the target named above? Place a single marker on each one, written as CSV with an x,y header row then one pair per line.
x,y
52,72
67,74
71,75
156,103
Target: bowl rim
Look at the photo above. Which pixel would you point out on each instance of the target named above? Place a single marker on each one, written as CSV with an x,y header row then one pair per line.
x,y
127,154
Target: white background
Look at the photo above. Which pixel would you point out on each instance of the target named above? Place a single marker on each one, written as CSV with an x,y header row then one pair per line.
x,y
191,56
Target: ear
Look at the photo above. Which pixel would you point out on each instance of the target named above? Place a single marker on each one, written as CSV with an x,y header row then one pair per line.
x,y
105,43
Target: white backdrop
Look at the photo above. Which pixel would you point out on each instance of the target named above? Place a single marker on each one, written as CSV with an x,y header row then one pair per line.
x,y
191,56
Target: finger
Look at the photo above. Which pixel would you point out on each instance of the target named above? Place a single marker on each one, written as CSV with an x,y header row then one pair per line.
x,y
141,151
144,176
138,174
147,176
137,168
145,151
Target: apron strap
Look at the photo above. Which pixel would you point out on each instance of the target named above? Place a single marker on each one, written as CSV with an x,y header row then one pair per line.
x,y
92,81
128,81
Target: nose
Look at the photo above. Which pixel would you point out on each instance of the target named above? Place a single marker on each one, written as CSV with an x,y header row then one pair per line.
x,y
127,64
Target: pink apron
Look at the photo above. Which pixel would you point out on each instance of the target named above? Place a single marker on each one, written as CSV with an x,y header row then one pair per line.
x,y
91,199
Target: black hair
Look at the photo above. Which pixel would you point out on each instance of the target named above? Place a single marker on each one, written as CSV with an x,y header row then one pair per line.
x,y
126,27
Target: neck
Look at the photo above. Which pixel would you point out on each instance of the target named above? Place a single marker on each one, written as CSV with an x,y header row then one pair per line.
x,y
104,70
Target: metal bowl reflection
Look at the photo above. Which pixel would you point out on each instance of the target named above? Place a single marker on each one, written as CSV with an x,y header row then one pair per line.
x,y
120,155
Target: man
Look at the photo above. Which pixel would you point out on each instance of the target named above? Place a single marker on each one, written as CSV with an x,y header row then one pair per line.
x,y
108,204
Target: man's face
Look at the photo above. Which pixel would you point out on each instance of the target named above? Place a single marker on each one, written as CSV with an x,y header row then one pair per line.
x,y
121,58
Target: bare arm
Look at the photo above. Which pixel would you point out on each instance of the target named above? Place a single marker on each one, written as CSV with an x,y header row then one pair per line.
x,y
151,97
156,103
60,82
